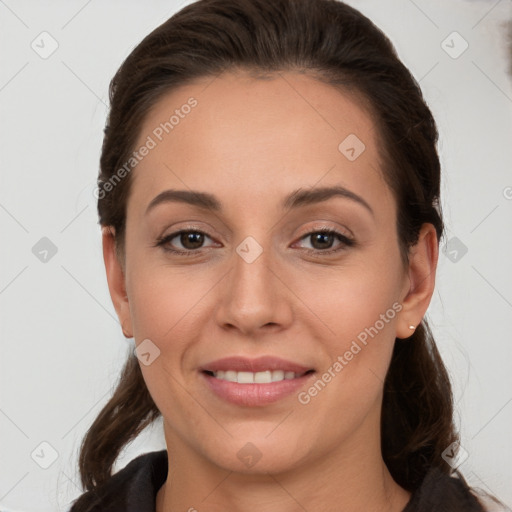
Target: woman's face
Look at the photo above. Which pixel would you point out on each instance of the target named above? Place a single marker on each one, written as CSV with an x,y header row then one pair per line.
x,y
256,280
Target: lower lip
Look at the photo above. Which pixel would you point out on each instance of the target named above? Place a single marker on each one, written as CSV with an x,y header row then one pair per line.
x,y
253,395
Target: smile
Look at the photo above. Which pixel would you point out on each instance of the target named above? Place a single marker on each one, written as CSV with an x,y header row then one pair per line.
x,y
264,377
254,382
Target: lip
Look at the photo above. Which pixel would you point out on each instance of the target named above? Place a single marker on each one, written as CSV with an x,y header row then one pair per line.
x,y
260,364
254,395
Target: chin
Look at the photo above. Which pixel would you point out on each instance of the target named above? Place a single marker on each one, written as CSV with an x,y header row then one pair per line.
x,y
258,456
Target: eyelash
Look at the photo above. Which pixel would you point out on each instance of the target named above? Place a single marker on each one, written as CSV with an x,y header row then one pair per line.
x,y
346,242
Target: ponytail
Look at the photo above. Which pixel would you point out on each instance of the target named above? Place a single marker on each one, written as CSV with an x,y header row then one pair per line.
x,y
130,410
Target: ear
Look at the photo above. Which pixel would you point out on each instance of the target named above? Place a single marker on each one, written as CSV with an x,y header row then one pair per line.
x,y
116,280
420,282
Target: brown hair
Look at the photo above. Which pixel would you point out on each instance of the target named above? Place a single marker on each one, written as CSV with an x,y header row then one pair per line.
x,y
335,43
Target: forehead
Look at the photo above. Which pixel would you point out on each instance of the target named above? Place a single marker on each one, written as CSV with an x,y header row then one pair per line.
x,y
246,137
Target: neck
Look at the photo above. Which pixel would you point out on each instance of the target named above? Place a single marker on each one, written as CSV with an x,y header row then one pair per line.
x,y
353,474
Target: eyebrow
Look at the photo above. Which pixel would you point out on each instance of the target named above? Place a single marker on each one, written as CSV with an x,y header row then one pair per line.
x,y
294,200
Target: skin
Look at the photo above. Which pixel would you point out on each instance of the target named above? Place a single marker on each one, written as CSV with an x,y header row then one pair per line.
x,y
251,142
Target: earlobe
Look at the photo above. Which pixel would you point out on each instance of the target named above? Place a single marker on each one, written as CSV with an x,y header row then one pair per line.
x,y
116,280
422,266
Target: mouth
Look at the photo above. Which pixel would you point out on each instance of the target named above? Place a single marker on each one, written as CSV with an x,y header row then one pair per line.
x,y
254,382
263,377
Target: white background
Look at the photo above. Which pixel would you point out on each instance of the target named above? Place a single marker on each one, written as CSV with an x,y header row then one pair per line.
x,y
61,345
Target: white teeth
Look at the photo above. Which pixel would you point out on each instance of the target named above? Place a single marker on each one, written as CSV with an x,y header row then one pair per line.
x,y
245,378
265,377
277,375
230,375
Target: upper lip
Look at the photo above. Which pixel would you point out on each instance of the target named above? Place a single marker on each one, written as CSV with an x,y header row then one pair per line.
x,y
260,364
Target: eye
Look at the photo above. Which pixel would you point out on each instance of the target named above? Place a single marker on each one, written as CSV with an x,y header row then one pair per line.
x,y
322,241
191,241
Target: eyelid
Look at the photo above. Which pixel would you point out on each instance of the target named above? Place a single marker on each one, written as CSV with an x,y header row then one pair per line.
x,y
164,239
345,240
321,226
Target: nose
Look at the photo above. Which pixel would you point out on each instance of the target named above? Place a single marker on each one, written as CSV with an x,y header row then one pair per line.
x,y
255,296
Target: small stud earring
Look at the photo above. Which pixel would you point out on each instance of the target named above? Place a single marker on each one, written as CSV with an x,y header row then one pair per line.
x,y
412,327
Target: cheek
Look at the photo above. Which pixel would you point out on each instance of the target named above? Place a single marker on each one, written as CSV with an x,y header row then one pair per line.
x,y
359,352
348,300
163,301
166,308
356,311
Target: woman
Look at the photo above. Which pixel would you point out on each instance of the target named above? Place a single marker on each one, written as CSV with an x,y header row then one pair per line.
x,y
269,197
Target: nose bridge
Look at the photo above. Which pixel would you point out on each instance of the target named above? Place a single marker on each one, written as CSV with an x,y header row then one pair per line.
x,y
252,297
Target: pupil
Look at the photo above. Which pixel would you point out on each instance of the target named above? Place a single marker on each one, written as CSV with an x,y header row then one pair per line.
x,y
195,239
319,236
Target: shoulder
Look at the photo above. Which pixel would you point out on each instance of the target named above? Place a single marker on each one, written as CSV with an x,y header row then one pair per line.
x,y
133,488
440,492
